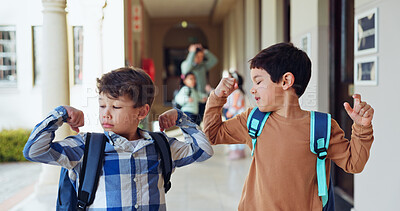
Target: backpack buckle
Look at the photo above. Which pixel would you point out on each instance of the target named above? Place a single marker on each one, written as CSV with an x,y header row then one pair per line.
x,y
321,153
252,134
81,205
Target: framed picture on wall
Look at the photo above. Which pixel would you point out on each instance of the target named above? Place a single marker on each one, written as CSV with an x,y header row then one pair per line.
x,y
366,32
305,43
366,71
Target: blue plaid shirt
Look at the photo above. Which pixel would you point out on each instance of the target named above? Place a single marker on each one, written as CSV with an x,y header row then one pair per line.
x,y
131,178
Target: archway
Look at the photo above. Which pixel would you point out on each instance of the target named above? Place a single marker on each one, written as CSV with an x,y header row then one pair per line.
x,y
175,45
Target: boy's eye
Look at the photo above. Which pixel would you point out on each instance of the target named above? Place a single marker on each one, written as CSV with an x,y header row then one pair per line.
x,y
116,107
102,106
258,82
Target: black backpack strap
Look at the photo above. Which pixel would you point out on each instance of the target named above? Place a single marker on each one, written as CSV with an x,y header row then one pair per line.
x,y
163,148
91,169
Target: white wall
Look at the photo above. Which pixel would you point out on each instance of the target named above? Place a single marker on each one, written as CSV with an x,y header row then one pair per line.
x,y
378,186
21,107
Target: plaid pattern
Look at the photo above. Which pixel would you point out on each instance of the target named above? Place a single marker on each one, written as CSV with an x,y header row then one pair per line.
x,y
131,178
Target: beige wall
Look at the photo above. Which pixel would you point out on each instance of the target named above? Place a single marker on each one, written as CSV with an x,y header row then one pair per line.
x,y
158,30
272,22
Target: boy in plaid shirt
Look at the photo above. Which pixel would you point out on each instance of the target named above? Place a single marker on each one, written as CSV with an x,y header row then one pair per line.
x,y
131,176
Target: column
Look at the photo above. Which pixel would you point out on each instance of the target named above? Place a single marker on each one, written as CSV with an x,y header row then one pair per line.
x,y
55,92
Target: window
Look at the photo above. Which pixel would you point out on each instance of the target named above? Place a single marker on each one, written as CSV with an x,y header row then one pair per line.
x,y
78,53
37,53
8,57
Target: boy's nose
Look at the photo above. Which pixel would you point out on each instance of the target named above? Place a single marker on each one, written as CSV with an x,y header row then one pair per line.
x,y
252,90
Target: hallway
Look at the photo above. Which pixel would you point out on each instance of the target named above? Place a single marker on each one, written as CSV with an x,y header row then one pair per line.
x,y
214,185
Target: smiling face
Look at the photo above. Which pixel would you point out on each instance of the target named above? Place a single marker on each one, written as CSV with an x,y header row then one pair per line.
x,y
190,81
268,95
119,115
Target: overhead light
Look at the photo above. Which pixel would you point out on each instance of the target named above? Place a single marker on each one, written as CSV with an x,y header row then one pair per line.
x,y
184,24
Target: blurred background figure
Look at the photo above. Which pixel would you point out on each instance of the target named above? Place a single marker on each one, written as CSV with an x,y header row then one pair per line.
x,y
188,98
198,61
235,105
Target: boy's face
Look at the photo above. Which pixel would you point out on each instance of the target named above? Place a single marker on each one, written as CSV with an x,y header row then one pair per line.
x,y
190,81
120,116
268,95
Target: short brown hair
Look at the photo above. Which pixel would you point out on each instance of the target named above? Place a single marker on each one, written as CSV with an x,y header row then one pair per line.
x,y
128,81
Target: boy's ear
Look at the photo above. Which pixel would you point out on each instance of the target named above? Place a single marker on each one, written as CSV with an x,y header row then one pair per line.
x,y
287,80
144,110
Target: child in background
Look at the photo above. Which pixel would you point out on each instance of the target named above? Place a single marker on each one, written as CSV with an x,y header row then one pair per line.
x,y
189,98
235,104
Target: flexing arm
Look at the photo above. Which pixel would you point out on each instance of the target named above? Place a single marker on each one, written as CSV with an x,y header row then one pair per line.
x,y
232,131
41,147
352,155
196,146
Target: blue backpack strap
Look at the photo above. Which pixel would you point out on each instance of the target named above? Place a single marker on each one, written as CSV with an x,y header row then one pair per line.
x,y
164,150
320,133
91,169
255,124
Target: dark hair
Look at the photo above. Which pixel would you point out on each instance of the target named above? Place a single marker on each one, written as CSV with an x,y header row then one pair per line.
x,y
185,76
239,80
198,50
281,58
128,81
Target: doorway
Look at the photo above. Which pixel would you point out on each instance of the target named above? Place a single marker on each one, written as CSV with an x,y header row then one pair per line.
x,y
341,88
176,43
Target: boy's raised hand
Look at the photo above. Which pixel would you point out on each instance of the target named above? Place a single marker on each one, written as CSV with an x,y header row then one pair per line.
x,y
75,118
225,87
168,119
361,113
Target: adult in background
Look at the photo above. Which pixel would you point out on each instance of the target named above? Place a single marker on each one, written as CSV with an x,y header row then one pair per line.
x,y
199,60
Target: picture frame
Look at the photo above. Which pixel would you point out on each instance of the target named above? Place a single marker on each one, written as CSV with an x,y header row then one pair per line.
x,y
366,71
366,32
305,43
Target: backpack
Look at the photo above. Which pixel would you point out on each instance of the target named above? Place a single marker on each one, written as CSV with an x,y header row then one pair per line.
x,y
320,131
69,200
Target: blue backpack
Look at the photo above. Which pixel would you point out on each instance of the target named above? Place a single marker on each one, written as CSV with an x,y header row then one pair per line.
x,y
93,157
320,133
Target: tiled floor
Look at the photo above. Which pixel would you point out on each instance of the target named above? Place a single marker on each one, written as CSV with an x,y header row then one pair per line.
x,y
215,184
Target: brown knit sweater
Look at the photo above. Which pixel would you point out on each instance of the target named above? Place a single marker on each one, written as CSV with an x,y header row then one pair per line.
x,y
282,173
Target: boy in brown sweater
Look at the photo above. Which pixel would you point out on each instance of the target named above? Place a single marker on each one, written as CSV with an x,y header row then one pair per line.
x,y
282,173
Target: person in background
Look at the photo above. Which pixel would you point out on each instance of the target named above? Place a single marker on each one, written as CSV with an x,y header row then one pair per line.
x,y
235,104
199,61
189,98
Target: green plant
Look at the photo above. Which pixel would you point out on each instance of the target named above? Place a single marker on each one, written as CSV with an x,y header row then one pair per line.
x,y
12,143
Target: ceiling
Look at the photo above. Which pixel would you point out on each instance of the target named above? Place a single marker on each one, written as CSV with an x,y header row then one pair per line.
x,y
179,8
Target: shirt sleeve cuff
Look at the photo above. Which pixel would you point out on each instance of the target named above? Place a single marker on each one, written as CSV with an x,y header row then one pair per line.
x,y
62,112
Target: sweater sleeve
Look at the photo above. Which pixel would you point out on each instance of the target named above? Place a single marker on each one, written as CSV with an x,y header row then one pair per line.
x,y
211,59
183,96
232,131
351,155
186,65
